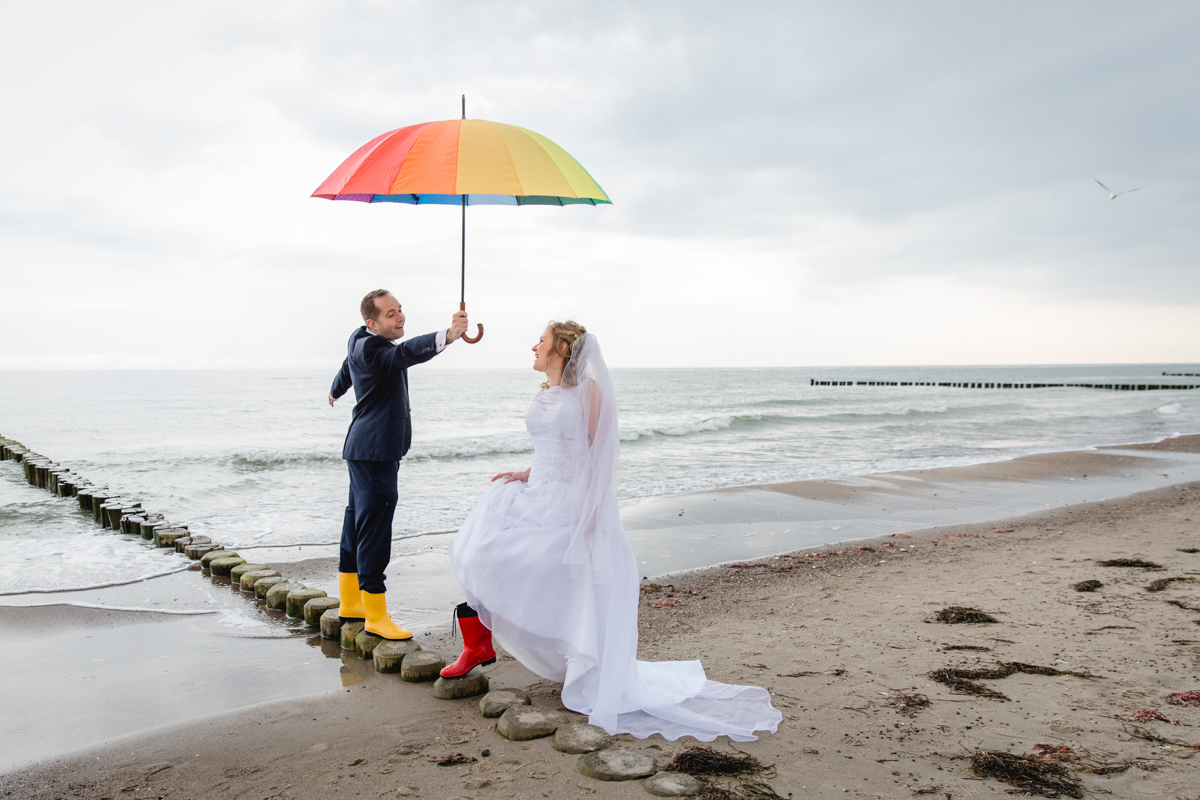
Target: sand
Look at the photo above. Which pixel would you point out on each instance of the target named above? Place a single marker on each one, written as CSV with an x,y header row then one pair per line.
x,y
836,637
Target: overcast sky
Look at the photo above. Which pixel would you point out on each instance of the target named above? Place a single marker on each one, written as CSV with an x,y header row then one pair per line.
x,y
794,184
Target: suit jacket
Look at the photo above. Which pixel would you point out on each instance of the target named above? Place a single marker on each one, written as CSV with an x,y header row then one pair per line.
x,y
380,429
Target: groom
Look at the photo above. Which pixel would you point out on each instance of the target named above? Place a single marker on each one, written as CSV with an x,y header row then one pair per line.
x,y
379,436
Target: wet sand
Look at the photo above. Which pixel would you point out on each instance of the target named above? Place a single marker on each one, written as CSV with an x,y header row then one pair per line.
x,y
835,637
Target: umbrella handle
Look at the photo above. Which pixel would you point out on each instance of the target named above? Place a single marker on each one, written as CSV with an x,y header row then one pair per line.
x,y
478,328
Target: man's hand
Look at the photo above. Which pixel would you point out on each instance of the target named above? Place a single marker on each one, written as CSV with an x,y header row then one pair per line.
x,y
331,399
458,326
512,476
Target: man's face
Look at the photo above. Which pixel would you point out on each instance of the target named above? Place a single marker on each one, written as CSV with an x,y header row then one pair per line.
x,y
389,323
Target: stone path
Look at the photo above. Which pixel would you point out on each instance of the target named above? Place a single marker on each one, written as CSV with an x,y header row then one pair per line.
x,y
517,719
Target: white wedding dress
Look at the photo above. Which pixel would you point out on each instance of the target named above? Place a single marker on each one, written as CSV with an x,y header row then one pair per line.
x,y
548,567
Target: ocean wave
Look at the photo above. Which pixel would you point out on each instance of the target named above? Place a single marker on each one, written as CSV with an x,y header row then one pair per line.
x,y
101,607
468,448
750,421
785,402
105,585
264,462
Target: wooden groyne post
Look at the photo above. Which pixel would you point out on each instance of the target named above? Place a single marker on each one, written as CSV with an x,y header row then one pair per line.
x,y
1115,387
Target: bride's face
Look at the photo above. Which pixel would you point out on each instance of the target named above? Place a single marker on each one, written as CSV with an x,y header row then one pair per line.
x,y
542,352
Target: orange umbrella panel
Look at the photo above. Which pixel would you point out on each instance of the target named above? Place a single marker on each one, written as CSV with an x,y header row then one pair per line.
x,y
441,162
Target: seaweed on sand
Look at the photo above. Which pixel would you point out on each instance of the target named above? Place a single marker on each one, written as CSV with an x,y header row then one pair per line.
x,y
1130,562
1030,774
977,647
699,761
457,758
1183,605
1058,752
1153,715
1138,732
1188,549
1163,583
1034,669
956,615
1184,699
906,703
962,680
716,769
1087,586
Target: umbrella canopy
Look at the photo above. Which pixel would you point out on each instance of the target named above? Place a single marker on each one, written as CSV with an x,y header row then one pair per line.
x,y
459,160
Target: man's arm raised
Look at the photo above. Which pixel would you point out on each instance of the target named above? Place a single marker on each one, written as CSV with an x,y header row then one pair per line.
x,y
417,350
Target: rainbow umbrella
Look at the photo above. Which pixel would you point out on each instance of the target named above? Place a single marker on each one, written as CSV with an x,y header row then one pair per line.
x,y
462,162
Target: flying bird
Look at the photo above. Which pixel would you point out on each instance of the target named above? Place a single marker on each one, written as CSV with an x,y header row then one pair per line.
x,y
1114,195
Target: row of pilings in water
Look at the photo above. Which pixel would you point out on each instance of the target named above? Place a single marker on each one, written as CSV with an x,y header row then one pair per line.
x,y
516,719
125,515
1116,387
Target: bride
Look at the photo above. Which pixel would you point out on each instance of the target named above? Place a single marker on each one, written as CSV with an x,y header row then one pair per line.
x,y
545,566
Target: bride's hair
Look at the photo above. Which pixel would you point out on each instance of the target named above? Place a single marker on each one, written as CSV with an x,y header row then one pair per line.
x,y
563,336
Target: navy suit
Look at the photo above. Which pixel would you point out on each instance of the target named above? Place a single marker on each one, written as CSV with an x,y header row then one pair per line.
x,y
379,436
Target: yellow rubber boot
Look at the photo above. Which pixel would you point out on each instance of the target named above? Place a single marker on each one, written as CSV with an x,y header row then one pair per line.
x,y
351,608
378,621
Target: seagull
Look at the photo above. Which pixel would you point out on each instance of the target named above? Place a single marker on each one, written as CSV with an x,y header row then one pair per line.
x,y
1114,195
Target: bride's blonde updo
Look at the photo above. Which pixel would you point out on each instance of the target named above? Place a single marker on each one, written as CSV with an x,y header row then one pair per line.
x,y
563,336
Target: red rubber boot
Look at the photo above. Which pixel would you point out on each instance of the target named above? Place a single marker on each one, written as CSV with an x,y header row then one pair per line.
x,y
477,647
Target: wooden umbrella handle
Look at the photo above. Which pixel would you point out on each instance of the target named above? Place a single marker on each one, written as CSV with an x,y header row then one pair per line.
x,y
478,328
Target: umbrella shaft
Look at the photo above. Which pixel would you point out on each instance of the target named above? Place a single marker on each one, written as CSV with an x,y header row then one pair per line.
x,y
462,297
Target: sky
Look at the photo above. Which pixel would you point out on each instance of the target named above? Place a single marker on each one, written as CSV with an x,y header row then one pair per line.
x,y
793,183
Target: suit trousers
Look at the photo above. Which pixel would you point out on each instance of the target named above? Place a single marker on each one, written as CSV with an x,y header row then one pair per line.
x,y
367,527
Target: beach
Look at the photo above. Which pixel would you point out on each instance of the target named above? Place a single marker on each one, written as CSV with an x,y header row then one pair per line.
x,y
844,638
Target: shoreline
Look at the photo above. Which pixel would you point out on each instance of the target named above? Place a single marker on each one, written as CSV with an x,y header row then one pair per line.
x,y
331,663
844,635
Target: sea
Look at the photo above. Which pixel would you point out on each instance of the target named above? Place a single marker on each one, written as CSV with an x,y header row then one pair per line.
x,y
253,459
121,638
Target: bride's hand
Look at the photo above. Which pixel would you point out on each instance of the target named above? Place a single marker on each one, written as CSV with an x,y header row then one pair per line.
x,y
512,476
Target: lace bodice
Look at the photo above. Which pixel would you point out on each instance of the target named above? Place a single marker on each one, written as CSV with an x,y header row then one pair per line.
x,y
552,422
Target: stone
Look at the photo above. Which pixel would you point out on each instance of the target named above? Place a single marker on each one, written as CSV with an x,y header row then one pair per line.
x,y
672,784
264,585
237,572
166,537
521,723
365,643
315,608
331,625
349,632
277,595
389,655
617,765
496,702
473,684
294,607
195,551
207,558
222,566
579,738
247,579
423,665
